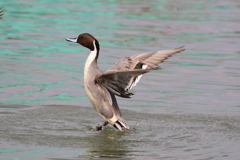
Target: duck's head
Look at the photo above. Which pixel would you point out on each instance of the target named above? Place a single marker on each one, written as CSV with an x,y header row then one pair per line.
x,y
86,40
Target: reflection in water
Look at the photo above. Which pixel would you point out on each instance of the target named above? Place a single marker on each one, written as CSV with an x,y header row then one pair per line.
x,y
63,132
107,144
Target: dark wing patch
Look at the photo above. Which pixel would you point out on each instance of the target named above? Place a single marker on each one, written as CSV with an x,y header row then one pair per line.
x,y
117,81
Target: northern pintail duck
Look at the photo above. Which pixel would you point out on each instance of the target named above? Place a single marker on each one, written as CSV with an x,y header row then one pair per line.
x,y
103,86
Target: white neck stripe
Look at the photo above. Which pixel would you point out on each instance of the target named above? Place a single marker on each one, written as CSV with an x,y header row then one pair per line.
x,y
90,58
95,48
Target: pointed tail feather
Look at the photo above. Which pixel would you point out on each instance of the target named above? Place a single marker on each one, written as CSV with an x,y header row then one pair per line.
x,y
121,125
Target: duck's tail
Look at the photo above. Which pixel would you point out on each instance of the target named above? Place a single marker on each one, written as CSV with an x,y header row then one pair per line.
x,y
121,125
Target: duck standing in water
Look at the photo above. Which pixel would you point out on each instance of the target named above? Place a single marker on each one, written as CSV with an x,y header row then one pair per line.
x,y
103,86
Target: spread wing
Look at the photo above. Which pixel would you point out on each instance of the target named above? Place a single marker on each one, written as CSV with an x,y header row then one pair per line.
x,y
127,72
151,59
117,82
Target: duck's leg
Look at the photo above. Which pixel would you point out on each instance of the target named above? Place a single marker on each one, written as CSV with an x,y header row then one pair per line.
x,y
99,127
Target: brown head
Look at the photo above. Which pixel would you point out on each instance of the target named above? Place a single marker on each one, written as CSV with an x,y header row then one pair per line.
x,y
86,40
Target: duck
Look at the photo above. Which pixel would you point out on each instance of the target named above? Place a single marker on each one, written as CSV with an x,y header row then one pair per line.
x,y
102,87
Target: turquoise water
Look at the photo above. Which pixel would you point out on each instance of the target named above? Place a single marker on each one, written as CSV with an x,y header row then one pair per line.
x,y
187,110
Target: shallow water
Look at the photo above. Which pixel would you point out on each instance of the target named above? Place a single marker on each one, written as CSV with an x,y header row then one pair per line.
x,y
187,110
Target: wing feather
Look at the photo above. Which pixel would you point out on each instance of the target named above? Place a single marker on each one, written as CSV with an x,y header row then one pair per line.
x,y
126,73
117,81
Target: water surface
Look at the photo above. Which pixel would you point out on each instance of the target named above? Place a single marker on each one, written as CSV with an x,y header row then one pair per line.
x,y
187,110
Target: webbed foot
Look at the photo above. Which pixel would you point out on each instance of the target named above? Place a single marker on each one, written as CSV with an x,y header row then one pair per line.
x,y
100,127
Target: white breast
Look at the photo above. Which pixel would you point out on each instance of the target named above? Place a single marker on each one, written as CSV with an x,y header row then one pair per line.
x,y
89,60
87,77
